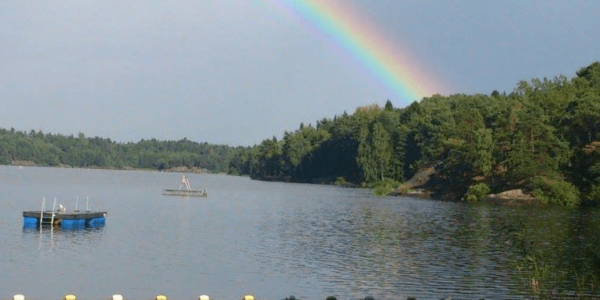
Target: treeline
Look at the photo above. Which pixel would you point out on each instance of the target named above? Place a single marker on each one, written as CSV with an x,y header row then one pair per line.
x,y
544,137
59,150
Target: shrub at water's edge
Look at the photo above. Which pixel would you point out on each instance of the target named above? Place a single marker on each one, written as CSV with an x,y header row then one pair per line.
x,y
341,181
384,187
555,191
476,192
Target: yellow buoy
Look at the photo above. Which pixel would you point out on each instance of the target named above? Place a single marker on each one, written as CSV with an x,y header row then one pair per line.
x,y
203,297
70,297
18,297
248,297
117,297
161,297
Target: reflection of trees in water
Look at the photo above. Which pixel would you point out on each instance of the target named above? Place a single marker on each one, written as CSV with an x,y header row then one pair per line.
x,y
426,247
557,250
433,248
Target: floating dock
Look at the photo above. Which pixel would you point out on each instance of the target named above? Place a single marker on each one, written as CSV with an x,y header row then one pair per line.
x,y
185,193
64,220
185,190
75,219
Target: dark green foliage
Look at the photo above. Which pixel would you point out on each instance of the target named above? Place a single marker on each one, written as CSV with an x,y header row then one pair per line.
x,y
55,150
590,76
477,192
555,191
333,159
593,197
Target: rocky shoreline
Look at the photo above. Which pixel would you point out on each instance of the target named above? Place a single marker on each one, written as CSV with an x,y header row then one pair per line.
x,y
422,185
517,196
510,197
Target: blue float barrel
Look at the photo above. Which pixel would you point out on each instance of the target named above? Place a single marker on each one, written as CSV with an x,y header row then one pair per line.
x,y
30,222
96,222
72,223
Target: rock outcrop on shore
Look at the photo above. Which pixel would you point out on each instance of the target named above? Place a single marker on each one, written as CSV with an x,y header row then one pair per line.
x,y
424,184
516,196
411,187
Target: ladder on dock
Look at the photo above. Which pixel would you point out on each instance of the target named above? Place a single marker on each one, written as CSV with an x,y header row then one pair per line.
x,y
44,218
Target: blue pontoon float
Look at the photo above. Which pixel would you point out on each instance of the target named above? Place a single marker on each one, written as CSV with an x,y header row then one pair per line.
x,y
62,218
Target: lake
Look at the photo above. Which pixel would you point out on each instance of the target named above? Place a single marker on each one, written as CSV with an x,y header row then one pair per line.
x,y
268,239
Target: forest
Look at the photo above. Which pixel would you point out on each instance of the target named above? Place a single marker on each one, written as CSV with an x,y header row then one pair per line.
x,y
37,148
543,137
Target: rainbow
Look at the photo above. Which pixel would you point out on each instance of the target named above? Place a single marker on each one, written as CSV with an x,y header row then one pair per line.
x,y
390,65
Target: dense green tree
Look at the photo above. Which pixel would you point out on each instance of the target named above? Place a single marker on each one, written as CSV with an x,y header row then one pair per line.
x,y
270,159
536,149
484,148
382,152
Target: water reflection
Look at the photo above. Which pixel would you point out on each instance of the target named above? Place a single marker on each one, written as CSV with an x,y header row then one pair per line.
x,y
555,250
49,237
276,239
427,248
63,231
433,248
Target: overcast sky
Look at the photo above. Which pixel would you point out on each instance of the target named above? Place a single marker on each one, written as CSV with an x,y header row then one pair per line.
x,y
237,72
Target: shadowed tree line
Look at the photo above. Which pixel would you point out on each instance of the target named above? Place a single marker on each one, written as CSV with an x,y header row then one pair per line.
x,y
543,137
59,150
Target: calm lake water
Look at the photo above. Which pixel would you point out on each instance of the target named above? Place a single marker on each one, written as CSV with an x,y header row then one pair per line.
x,y
248,237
